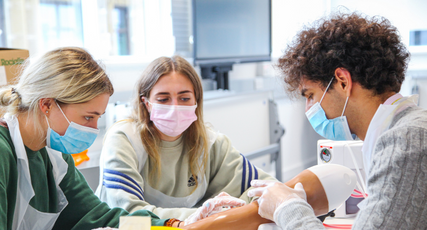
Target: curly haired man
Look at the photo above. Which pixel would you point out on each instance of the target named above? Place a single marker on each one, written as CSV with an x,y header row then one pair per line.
x,y
350,69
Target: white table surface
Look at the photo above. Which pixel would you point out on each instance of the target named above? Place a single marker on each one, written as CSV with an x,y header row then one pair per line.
x,y
328,220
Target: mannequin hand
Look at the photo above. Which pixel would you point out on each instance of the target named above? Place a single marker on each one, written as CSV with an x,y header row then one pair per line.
x,y
214,205
272,194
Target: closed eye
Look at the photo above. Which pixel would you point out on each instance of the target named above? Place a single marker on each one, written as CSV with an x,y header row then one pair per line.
x,y
162,100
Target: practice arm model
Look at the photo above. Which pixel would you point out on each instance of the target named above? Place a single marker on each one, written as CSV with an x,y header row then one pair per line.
x,y
320,182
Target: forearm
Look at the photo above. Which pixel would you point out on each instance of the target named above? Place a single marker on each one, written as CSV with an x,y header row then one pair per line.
x,y
297,214
315,197
245,217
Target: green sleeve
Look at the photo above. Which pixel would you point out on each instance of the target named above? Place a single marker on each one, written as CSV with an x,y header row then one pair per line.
x,y
85,210
8,180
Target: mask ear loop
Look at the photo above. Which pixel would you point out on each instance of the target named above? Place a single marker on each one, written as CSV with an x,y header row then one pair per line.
x,y
62,112
330,82
47,121
345,105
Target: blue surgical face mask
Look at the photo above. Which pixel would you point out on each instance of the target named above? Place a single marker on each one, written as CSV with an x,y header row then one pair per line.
x,y
76,139
334,129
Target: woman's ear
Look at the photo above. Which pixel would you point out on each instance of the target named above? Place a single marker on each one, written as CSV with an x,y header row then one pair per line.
x,y
345,83
45,105
146,103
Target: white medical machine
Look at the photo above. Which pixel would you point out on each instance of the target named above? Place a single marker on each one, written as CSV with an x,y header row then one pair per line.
x,y
348,154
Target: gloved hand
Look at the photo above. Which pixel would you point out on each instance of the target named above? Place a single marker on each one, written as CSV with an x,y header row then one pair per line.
x,y
272,194
214,205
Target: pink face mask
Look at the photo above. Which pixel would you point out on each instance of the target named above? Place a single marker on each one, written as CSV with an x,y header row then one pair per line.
x,y
172,120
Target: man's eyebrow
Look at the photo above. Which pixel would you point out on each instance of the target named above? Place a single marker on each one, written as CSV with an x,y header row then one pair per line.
x,y
303,91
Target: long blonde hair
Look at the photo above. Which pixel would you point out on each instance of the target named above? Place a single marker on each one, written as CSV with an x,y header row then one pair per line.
x,y
195,137
70,75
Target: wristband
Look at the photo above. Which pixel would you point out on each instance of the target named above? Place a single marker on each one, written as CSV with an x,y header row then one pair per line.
x,y
170,222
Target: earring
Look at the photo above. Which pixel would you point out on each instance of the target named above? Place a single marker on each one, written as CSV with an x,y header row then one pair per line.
x,y
47,112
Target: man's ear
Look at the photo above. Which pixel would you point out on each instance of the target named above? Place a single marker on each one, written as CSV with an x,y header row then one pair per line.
x,y
45,105
345,83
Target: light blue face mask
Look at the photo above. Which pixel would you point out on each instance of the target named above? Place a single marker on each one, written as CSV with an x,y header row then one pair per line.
x,y
334,129
76,139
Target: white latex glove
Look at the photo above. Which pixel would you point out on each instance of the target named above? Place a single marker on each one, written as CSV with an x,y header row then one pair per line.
x,y
214,205
272,194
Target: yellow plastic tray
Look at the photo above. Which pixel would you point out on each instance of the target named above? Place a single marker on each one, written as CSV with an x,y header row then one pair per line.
x,y
162,228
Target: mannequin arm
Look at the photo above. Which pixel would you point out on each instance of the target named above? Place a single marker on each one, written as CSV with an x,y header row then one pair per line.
x,y
247,217
314,190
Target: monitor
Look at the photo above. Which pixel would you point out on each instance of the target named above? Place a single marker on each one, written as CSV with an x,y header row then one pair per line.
x,y
230,31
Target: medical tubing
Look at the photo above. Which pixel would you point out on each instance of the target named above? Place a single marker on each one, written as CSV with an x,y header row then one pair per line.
x,y
357,191
359,194
357,167
364,194
338,226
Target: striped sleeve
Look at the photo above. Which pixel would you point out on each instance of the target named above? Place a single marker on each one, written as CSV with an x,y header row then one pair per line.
x,y
230,171
121,184
246,179
116,180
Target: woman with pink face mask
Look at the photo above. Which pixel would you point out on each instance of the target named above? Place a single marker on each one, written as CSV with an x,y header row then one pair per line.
x,y
164,159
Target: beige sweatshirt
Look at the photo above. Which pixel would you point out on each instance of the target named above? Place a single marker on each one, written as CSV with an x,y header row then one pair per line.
x,y
122,172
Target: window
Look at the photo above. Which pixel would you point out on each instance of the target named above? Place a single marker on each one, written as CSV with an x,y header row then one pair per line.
x,y
2,28
121,30
106,28
418,38
112,30
61,24
182,27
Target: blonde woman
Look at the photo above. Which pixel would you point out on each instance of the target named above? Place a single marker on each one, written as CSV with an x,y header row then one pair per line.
x,y
164,159
52,112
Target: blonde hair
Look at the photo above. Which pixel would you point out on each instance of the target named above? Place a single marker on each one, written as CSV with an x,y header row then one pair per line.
x,y
69,75
195,137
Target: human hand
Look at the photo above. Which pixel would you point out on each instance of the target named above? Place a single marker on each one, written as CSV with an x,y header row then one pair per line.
x,y
272,194
214,205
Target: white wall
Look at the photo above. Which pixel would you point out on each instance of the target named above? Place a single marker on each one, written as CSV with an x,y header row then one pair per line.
x,y
406,16
288,17
299,141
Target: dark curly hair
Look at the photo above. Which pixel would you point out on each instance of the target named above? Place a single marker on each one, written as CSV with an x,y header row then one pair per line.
x,y
369,48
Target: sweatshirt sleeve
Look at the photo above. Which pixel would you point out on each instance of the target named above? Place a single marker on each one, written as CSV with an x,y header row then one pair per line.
x,y
85,210
297,214
230,171
397,184
122,183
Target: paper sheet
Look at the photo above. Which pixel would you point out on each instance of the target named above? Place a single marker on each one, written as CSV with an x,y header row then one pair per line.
x,y
3,79
135,223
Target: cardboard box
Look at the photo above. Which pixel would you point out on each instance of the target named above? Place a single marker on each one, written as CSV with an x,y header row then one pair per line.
x,y
11,61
